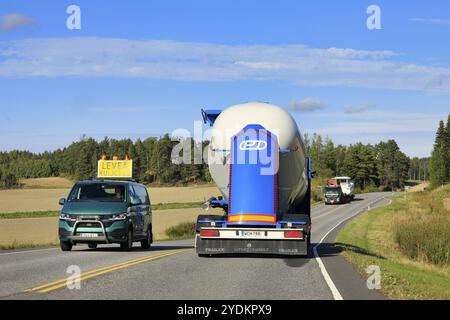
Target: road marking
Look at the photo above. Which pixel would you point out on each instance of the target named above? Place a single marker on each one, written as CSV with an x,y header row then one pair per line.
x,y
26,251
334,290
320,216
100,271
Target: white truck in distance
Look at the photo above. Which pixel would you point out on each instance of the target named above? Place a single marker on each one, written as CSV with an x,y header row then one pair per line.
x,y
347,186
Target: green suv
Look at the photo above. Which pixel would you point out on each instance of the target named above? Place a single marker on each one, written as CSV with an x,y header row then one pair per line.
x,y
106,211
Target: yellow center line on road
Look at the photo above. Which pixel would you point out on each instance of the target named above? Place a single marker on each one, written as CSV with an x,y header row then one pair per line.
x,y
328,212
100,271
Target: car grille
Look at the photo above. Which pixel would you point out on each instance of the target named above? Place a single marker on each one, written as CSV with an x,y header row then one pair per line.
x,y
105,219
88,225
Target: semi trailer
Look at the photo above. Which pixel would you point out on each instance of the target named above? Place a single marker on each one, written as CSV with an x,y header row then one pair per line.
x,y
258,160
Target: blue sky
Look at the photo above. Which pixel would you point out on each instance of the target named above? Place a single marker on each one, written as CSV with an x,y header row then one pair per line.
x,y
140,68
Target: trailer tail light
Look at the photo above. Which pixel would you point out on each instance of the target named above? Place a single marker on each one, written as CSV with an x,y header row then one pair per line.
x,y
294,234
209,233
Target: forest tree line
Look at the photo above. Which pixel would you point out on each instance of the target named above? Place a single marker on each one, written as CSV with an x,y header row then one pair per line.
x,y
440,156
371,166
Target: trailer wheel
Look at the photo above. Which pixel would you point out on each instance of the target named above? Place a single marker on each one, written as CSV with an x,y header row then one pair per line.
x,y
92,245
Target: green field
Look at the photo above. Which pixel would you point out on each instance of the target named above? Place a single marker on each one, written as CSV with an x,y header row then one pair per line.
x,y
50,213
410,242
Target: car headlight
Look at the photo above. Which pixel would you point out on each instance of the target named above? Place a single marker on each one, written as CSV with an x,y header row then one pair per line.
x,y
64,216
120,216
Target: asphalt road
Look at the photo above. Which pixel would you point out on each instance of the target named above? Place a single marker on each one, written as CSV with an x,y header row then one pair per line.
x,y
172,270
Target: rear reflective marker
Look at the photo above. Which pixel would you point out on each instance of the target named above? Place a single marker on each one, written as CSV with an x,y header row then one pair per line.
x,y
294,234
209,233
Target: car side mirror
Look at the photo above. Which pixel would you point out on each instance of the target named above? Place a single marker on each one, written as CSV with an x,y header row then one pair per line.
x,y
62,201
135,201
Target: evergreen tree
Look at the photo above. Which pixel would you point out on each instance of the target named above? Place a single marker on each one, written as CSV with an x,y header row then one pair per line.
x,y
446,150
439,158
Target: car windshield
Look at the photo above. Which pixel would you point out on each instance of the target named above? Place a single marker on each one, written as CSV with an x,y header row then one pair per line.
x,y
104,192
333,191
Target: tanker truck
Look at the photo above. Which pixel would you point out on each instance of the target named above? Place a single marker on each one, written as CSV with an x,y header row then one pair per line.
x,y
258,160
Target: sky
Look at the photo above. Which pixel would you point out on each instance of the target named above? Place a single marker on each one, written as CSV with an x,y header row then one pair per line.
x,y
144,68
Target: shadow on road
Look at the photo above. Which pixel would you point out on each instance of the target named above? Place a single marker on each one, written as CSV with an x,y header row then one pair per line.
x,y
137,249
323,250
291,261
327,250
333,249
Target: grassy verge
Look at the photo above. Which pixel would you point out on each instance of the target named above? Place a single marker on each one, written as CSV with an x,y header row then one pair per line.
x,y
50,213
180,231
176,205
30,214
408,240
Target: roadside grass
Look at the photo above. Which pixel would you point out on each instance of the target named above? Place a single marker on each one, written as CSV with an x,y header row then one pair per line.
x,y
425,212
51,213
176,205
184,230
46,183
385,236
25,245
30,214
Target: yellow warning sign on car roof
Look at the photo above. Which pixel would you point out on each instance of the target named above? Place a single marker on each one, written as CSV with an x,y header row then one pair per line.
x,y
115,169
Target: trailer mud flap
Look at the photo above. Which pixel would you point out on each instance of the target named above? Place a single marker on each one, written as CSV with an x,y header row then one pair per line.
x,y
250,246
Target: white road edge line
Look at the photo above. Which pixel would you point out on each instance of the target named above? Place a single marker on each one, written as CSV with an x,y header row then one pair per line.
x,y
26,251
334,290
57,248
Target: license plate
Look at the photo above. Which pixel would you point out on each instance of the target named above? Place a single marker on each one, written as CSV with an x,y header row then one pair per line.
x,y
88,235
251,233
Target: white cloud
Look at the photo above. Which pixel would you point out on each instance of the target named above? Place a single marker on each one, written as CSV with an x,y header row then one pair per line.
x,y
13,21
358,108
190,61
380,122
307,105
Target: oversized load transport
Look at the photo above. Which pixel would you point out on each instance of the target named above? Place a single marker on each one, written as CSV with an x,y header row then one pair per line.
x,y
347,186
258,160
338,190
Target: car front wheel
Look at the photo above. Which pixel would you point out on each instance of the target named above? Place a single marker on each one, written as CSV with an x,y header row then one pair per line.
x,y
128,244
66,245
